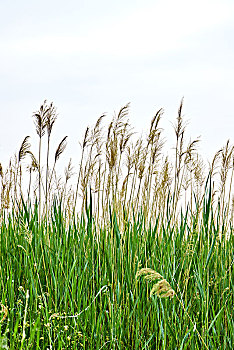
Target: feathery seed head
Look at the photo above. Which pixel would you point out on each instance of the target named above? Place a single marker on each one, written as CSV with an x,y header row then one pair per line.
x,y
162,288
149,274
41,119
60,149
50,118
24,149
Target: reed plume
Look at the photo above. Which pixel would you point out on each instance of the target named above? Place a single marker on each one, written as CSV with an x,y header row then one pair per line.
x,y
40,120
60,149
25,147
162,288
51,116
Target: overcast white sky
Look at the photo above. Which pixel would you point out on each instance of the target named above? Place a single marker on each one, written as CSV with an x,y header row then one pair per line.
x,y
91,57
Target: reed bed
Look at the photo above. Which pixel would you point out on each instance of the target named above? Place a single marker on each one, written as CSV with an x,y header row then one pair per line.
x,y
133,251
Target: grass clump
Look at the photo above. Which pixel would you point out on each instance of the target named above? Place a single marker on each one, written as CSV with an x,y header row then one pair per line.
x,y
73,255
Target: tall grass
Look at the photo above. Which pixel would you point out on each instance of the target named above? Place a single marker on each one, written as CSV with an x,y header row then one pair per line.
x,y
136,254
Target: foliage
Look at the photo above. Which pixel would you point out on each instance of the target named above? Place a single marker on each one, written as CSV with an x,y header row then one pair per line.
x,y
78,264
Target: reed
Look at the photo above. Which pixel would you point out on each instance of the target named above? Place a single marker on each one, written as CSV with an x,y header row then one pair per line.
x,y
136,254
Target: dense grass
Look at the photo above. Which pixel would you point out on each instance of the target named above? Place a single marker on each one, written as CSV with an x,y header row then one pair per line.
x,y
82,287
70,278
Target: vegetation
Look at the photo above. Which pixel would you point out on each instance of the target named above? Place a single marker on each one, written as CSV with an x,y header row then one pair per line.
x,y
137,253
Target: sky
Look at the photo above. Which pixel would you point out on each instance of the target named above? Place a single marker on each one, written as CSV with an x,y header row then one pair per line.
x,y
92,57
